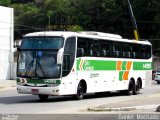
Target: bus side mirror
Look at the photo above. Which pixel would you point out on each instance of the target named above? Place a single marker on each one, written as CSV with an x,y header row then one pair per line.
x,y
60,56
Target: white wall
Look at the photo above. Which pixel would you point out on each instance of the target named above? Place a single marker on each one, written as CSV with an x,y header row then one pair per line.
x,y
6,42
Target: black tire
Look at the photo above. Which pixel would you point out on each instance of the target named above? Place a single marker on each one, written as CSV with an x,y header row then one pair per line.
x,y
80,92
137,88
158,82
130,89
43,97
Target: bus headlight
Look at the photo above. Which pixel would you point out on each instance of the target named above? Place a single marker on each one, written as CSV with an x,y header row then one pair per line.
x,y
22,81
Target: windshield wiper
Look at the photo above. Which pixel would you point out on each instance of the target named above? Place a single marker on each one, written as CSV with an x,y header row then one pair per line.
x,y
37,65
40,66
30,65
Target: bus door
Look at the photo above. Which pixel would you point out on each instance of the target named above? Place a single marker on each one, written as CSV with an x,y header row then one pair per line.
x,y
68,72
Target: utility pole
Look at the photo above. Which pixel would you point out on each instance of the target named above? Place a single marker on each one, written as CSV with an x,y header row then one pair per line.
x,y
49,22
133,22
49,14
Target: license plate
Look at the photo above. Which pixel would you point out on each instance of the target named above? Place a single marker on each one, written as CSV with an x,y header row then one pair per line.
x,y
34,90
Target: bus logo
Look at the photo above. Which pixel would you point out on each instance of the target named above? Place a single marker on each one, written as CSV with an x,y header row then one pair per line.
x,y
85,65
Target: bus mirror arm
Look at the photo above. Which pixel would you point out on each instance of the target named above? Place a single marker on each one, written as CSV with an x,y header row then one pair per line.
x,y
60,56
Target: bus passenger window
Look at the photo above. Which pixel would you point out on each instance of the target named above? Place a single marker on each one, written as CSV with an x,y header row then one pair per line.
x,y
80,52
148,52
117,50
135,51
91,53
103,53
105,48
116,53
126,54
133,55
142,51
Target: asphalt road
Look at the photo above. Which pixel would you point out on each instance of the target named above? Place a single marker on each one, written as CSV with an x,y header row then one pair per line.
x,y
13,103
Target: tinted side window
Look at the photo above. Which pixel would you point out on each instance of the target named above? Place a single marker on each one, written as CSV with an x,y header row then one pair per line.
x,y
117,51
95,48
83,47
145,51
88,47
105,48
69,55
126,50
148,52
136,51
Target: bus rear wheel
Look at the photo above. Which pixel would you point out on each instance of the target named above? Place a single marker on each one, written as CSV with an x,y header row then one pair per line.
x,y
43,97
130,89
137,88
80,92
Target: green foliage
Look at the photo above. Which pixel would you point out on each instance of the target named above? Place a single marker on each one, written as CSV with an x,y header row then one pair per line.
x,y
75,28
25,13
5,2
110,16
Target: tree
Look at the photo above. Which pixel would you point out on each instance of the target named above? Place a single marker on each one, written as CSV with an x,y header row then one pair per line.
x,y
96,15
5,2
26,16
110,16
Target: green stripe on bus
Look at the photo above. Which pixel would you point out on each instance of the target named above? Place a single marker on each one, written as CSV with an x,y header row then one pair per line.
x,y
103,65
124,65
97,65
91,65
121,75
142,66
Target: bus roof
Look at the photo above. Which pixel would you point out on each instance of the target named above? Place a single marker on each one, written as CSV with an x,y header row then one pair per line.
x,y
87,34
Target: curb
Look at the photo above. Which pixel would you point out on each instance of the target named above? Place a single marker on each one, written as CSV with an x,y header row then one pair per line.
x,y
103,109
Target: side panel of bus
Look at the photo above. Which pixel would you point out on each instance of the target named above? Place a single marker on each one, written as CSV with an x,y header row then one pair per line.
x,y
110,74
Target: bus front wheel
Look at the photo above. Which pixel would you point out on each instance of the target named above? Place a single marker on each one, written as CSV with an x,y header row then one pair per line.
x,y
43,97
80,92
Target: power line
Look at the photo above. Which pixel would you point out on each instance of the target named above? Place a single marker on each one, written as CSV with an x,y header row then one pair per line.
x,y
21,25
28,26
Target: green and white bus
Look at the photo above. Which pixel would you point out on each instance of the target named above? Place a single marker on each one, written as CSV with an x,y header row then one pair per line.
x,y
76,63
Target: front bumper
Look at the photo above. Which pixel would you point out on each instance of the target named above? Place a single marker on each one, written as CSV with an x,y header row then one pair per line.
x,y
38,90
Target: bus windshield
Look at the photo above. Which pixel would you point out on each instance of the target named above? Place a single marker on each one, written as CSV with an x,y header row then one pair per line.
x,y
38,57
42,43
